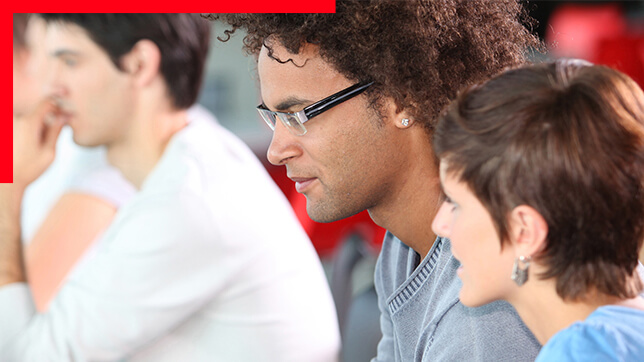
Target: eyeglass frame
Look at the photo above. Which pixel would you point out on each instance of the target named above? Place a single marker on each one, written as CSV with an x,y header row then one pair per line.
x,y
312,110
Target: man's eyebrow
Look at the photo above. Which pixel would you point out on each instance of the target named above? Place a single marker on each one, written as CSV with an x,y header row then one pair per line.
x,y
291,102
63,52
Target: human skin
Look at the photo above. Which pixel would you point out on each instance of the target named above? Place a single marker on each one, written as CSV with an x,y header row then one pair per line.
x,y
127,111
29,69
76,219
79,78
486,267
351,158
34,141
72,225
485,264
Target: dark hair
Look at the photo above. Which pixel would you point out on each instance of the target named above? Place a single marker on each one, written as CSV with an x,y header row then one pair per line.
x,y
183,40
19,29
567,139
420,53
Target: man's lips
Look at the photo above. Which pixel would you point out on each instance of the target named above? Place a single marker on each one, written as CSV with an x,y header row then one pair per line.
x,y
302,183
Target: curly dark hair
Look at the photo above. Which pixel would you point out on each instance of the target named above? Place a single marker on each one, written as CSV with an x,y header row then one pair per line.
x,y
418,52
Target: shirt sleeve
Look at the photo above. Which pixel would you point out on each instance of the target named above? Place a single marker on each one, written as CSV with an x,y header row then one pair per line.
x,y
153,269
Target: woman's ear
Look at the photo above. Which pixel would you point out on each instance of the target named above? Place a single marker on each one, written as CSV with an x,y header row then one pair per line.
x,y
528,230
143,62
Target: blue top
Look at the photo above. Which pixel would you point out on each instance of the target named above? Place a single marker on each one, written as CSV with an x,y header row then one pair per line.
x,y
610,333
423,320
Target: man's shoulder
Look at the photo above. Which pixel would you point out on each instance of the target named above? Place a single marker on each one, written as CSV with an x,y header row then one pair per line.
x,y
208,158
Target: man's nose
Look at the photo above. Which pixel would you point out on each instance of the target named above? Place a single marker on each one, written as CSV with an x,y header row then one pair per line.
x,y
284,146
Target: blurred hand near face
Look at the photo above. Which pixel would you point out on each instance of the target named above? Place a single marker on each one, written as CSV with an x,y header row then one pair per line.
x,y
34,142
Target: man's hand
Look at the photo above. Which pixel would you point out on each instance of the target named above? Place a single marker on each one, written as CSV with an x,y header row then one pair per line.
x,y
34,143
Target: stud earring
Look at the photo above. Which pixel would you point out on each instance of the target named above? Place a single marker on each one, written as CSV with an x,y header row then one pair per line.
x,y
519,274
405,122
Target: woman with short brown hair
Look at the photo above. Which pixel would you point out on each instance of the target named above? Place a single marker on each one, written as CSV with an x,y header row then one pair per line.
x,y
543,169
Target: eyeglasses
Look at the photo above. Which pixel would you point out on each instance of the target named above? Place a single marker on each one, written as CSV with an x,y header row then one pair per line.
x,y
294,122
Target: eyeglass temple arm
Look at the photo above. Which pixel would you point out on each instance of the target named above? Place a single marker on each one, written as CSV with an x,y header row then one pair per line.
x,y
335,99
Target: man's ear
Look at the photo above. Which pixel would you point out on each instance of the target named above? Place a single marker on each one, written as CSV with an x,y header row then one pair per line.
x,y
143,62
399,118
528,230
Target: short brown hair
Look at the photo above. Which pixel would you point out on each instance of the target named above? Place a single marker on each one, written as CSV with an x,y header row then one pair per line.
x,y
418,52
566,138
19,29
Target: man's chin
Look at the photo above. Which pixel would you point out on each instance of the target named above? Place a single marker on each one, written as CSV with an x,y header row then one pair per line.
x,y
326,212
84,142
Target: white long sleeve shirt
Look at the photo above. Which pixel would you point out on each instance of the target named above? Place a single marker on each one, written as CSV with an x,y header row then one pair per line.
x,y
206,263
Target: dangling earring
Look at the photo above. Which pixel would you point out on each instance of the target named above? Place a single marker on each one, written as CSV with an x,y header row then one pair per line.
x,y
520,275
404,122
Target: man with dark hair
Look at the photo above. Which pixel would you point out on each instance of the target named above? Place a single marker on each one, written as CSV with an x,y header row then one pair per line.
x,y
206,261
352,98
25,84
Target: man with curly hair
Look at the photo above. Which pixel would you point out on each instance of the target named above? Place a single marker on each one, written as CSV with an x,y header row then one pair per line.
x,y
353,98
